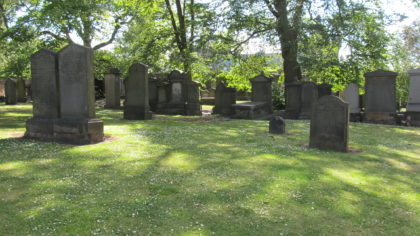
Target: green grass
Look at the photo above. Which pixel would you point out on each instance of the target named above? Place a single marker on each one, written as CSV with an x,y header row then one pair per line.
x,y
194,176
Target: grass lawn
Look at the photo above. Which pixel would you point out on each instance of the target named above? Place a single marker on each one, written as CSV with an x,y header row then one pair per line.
x,y
204,176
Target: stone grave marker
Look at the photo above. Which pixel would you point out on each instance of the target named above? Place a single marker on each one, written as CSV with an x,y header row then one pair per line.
x,y
112,89
329,124
351,96
224,99
293,99
10,91
137,93
277,125
309,98
413,106
380,97
20,90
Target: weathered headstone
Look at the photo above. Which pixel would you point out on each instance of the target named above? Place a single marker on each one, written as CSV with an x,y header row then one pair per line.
x,y
293,94
112,89
64,97
329,124
20,90
309,98
163,94
178,92
153,93
10,91
277,125
224,99
193,106
137,94
351,96
413,106
261,100
324,90
380,97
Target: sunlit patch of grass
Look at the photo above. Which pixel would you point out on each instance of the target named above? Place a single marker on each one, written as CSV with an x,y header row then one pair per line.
x,y
205,176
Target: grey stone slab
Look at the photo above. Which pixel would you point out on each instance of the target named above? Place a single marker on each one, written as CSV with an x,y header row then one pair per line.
x,y
20,90
414,91
329,124
277,125
380,96
137,93
45,91
225,98
351,95
193,106
77,94
250,110
262,92
293,95
309,98
112,90
10,91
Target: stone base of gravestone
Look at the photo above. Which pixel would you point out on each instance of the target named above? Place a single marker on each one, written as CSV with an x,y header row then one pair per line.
x,y
134,113
412,118
277,125
356,117
250,110
65,130
379,118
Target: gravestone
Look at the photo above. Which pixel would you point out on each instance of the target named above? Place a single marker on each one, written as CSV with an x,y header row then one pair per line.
x,y
112,89
28,88
163,94
178,93
293,95
224,99
277,125
137,93
329,124
351,96
10,91
261,100
63,96
20,90
324,90
193,106
380,97
309,98
153,93
413,106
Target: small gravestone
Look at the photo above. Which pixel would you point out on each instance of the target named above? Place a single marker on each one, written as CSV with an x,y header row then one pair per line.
x,y
20,90
224,99
329,124
277,125
63,94
293,94
351,96
10,91
137,93
153,93
413,106
380,97
309,98
112,89
324,90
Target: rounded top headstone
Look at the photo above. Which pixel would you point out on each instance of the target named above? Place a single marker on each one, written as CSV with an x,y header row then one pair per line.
x,y
261,78
381,73
277,118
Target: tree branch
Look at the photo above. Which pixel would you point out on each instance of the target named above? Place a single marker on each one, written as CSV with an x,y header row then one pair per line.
x,y
271,8
174,26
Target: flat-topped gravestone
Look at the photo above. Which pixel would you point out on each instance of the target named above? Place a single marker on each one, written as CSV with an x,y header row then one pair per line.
x,y
192,105
10,91
380,97
178,93
309,98
112,89
20,90
261,91
329,124
63,95
137,93
351,96
324,90
277,125
224,99
293,94
413,106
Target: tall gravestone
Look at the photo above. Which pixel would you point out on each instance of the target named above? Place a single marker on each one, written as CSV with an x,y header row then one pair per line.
x,y
178,92
153,93
309,98
137,93
380,97
351,96
293,94
324,90
329,124
10,91
20,90
192,105
224,99
112,89
413,106
63,93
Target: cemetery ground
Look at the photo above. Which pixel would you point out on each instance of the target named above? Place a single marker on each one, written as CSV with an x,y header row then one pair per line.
x,y
209,176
